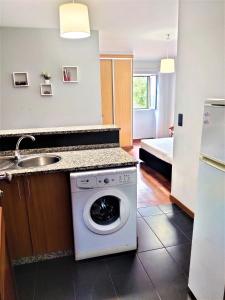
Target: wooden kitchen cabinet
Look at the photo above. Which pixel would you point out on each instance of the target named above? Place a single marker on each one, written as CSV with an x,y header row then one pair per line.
x,y
7,284
38,214
16,216
50,212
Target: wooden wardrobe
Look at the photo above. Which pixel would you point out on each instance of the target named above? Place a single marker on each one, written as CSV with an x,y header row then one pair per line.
x,y
116,89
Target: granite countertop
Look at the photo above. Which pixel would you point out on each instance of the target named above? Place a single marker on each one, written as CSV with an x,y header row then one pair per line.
x,y
57,130
81,161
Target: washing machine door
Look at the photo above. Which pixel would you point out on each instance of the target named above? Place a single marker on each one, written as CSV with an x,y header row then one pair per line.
x,y
106,211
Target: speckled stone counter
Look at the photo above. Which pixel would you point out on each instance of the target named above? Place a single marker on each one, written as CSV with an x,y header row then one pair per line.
x,y
57,130
82,161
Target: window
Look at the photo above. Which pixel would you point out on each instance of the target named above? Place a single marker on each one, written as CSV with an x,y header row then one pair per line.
x,y
144,91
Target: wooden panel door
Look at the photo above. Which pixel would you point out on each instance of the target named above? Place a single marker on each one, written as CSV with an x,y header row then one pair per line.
x,y
50,212
16,217
123,99
7,286
106,90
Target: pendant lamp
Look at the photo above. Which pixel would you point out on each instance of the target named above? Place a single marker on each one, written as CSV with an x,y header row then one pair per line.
x,y
167,65
74,21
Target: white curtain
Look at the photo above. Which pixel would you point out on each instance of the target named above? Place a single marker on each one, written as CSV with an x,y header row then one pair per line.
x,y
166,104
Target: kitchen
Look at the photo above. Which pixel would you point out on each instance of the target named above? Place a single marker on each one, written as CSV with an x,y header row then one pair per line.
x,y
61,121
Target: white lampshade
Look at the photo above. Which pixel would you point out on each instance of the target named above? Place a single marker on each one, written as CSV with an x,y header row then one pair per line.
x,y
167,65
74,21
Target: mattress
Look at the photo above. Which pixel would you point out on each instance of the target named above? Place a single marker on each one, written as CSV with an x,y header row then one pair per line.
x,y
161,148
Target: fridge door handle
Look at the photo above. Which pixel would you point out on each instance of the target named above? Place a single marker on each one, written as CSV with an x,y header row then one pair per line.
x,y
213,163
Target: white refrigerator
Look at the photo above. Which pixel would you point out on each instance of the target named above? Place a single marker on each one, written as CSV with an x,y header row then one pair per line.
x,y
207,267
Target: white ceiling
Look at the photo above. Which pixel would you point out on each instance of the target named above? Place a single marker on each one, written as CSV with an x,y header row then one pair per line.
x,y
125,26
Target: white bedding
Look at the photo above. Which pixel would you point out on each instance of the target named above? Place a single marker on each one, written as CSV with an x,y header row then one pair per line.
x,y
161,148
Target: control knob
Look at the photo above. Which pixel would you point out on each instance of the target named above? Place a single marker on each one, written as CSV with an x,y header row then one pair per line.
x,y
106,180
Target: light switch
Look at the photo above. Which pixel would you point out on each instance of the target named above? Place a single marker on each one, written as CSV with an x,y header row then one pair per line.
x,y
180,119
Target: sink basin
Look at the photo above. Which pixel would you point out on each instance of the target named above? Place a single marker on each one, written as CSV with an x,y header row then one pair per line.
x,y
38,161
7,163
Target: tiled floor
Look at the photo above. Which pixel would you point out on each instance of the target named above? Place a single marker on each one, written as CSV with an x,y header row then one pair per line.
x,y
158,270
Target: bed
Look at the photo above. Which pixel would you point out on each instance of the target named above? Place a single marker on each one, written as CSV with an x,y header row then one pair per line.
x,y
158,154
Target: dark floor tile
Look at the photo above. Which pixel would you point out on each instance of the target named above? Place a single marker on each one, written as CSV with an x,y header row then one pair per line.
x,y
160,267
92,280
183,222
55,280
147,240
177,290
166,231
169,208
149,211
181,254
165,274
130,279
25,276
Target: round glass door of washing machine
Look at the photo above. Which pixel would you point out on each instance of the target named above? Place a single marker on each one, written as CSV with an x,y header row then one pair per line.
x,y
105,210
105,213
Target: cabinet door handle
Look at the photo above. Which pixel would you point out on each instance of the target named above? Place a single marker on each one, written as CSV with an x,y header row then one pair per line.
x,y
213,163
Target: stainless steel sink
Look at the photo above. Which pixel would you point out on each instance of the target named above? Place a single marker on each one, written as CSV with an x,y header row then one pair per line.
x,y
7,163
38,161
28,161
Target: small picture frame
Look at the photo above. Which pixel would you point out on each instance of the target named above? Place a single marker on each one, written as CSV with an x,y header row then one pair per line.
x,y
46,89
20,79
70,74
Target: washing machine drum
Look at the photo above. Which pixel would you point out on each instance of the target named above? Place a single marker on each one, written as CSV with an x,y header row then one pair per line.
x,y
106,212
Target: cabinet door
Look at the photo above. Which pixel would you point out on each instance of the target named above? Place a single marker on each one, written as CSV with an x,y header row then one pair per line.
x,y
16,217
50,213
123,99
7,287
106,91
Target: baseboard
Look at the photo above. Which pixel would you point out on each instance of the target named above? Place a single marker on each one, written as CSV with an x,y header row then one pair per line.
x,y
182,206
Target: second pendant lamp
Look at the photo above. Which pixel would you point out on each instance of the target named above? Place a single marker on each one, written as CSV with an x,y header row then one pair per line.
x,y
167,65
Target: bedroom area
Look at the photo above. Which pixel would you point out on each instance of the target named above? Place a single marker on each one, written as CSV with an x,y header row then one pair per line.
x,y
153,111
138,93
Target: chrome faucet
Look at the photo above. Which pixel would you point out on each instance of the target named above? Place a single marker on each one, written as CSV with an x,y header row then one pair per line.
x,y
17,151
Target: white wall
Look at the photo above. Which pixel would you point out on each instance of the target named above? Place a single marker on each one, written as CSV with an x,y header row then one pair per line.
x,y
37,50
166,104
144,124
200,74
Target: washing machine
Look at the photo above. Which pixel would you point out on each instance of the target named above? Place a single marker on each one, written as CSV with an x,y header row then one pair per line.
x,y
104,207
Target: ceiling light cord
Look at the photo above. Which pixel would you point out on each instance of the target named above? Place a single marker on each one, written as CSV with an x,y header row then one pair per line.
x,y
167,48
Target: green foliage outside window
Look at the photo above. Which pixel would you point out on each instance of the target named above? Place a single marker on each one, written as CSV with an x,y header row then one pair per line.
x,y
140,92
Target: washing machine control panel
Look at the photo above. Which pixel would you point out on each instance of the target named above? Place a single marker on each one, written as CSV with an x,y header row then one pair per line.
x,y
88,182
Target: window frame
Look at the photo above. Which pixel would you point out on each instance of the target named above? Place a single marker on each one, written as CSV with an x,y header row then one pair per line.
x,y
150,106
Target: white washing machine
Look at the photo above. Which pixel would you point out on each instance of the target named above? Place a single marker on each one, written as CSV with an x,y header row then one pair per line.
x,y
104,205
